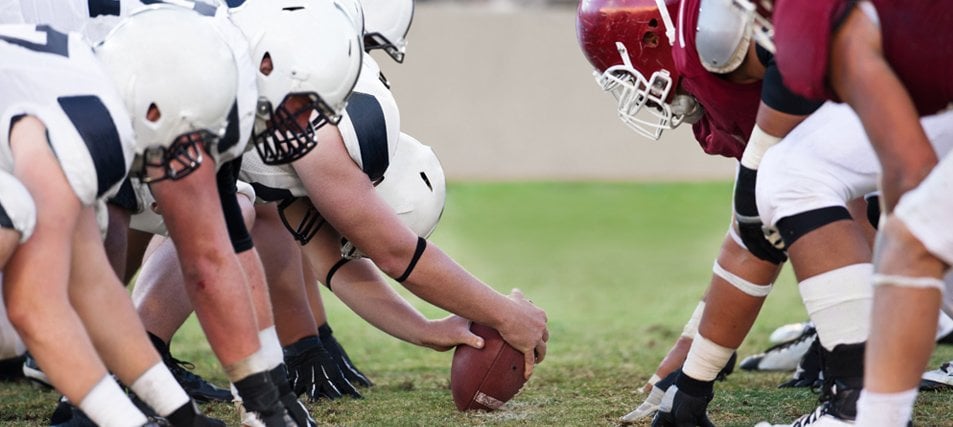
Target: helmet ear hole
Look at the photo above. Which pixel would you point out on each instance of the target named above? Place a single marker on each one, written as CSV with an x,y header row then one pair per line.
x,y
650,39
653,23
153,114
266,66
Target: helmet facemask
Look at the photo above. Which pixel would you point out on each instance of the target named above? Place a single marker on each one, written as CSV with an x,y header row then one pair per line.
x,y
379,41
176,160
285,134
634,91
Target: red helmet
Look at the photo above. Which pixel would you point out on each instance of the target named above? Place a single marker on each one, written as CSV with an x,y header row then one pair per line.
x,y
628,42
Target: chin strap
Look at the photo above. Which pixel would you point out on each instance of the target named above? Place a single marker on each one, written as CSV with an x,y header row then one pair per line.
x,y
667,19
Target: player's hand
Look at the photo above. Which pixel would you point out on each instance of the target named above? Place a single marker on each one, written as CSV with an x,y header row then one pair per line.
x,y
312,371
449,332
749,223
526,330
354,375
679,409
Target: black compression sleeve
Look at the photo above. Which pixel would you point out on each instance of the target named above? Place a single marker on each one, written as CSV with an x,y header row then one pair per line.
x,y
228,196
777,96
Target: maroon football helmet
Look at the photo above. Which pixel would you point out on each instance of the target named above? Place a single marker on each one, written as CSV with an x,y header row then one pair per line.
x,y
629,42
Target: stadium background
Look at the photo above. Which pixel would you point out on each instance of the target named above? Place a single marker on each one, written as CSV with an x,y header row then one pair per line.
x,y
501,91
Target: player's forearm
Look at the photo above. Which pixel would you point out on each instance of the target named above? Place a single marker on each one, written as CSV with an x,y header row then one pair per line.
x,y
378,304
442,282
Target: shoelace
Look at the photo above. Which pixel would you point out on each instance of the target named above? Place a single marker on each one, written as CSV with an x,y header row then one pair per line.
x,y
181,367
813,416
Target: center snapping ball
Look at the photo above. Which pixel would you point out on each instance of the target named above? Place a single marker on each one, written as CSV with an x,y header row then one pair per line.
x,y
485,379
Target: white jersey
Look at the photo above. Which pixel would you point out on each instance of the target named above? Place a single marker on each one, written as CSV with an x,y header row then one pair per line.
x,y
56,78
370,128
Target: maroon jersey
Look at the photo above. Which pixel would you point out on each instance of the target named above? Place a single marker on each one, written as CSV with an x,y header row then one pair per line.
x,y
916,37
730,108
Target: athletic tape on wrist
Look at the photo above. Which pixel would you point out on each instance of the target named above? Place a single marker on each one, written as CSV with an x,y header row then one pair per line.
x,y
908,282
691,328
421,245
758,144
757,291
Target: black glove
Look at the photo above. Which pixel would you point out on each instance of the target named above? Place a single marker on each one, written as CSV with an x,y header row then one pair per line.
x,y
750,227
313,371
679,409
351,372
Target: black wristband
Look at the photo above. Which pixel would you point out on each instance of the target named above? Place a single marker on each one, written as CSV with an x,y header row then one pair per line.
x,y
421,245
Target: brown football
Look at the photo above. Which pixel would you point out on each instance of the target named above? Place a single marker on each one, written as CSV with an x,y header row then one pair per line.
x,y
485,379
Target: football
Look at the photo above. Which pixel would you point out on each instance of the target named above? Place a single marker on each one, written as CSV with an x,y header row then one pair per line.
x,y
485,379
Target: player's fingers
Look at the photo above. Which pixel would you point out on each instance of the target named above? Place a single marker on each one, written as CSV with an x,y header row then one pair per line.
x,y
530,361
473,340
546,335
540,351
517,294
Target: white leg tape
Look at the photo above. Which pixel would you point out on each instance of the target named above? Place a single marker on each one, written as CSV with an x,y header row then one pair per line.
x,y
706,359
691,328
755,290
908,282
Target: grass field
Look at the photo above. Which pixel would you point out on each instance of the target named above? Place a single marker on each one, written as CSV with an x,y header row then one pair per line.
x,y
618,267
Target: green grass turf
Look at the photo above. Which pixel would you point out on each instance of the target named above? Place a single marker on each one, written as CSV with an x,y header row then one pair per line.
x,y
619,268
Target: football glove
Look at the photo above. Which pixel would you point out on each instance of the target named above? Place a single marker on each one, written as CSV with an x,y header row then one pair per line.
x,y
679,409
750,227
312,371
337,352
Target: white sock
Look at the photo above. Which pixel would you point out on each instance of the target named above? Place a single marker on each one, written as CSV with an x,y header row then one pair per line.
x,y
271,347
705,359
885,409
839,304
108,406
158,388
250,365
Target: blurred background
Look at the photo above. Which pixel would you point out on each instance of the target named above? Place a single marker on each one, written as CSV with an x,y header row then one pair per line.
x,y
502,92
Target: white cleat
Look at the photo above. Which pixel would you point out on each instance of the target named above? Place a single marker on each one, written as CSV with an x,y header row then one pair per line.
x,y
647,408
938,379
819,418
781,357
789,332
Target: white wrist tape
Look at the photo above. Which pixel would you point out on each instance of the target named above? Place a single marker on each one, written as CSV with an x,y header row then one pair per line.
x,y
691,328
757,291
758,144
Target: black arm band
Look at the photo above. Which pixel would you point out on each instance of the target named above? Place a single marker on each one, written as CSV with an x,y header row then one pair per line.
x,y
777,96
334,269
421,245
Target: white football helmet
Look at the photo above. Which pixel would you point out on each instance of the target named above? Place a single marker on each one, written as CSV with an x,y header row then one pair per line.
x,y
177,97
353,9
414,186
311,51
386,23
